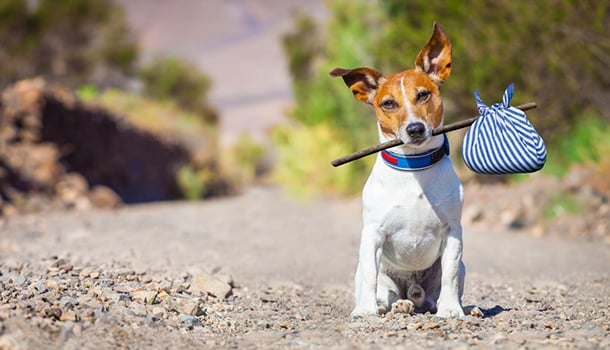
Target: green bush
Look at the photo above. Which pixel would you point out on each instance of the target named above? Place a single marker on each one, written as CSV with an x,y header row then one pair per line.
x,y
305,161
588,143
555,51
244,160
561,204
73,42
192,182
328,121
171,78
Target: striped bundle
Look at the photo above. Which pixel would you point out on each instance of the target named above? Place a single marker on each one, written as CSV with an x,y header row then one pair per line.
x,y
502,140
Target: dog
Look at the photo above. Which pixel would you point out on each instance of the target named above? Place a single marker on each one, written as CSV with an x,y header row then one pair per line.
x,y
410,256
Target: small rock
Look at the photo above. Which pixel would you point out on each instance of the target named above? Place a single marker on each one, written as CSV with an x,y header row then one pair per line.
x,y
138,309
158,311
5,311
68,316
146,296
205,283
118,297
53,285
66,267
104,197
472,214
512,218
172,304
19,280
414,326
191,307
41,287
430,325
189,321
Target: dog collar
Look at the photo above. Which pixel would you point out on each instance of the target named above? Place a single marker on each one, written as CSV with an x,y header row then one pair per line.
x,y
414,162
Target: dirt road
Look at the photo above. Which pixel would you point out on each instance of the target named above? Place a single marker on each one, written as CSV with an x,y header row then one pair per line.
x,y
131,279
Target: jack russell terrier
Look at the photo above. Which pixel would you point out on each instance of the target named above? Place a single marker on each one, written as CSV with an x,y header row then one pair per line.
x,y
410,256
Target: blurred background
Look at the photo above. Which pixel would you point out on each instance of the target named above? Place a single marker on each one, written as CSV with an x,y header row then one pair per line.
x,y
111,102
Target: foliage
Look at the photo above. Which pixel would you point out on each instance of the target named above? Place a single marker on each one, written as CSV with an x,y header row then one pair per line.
x,y
192,181
305,166
536,45
175,79
71,41
555,51
245,160
561,204
588,143
329,122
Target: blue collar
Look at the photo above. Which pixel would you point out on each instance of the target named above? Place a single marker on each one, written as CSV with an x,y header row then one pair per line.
x,y
414,162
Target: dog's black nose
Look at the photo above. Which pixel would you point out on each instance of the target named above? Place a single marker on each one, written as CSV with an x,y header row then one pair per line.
x,y
416,129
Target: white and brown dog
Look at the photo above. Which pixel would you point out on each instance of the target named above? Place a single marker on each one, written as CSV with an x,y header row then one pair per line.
x,y
410,256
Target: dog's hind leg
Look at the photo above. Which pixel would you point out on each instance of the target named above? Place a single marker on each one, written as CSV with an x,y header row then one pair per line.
x,y
387,292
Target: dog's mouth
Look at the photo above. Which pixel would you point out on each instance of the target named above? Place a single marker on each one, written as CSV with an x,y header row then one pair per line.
x,y
415,142
418,141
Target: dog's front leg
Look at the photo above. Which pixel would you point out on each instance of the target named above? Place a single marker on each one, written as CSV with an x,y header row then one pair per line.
x,y
366,274
449,301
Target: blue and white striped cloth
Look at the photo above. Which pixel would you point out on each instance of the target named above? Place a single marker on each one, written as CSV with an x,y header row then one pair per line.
x,y
502,140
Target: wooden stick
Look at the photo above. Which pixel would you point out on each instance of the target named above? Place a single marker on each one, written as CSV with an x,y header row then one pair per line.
x,y
440,130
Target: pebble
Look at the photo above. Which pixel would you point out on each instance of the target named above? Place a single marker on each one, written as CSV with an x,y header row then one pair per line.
x,y
206,283
189,321
20,280
68,316
146,296
430,325
138,309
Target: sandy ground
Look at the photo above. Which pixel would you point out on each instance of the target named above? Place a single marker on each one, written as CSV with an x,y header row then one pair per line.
x,y
75,280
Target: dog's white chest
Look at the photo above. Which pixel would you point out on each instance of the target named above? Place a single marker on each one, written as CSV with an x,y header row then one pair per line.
x,y
413,236
411,213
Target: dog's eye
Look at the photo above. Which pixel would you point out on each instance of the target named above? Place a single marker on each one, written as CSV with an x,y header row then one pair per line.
x,y
422,96
389,104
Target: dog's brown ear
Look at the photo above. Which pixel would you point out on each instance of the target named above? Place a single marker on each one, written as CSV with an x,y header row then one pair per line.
x,y
362,81
435,58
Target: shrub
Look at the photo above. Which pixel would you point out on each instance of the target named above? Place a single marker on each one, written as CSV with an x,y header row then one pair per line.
x,y
245,160
171,78
305,158
73,42
588,143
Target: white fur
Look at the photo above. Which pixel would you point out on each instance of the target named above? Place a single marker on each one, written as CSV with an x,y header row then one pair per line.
x,y
411,237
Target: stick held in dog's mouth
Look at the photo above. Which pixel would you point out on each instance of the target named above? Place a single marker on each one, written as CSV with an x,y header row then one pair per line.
x,y
440,130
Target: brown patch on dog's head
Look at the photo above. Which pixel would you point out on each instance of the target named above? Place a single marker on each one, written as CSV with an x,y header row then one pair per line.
x,y
414,93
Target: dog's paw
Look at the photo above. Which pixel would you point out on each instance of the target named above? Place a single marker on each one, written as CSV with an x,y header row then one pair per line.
x,y
473,311
453,311
403,306
360,312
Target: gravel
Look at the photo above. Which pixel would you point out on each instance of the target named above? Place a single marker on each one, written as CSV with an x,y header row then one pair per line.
x,y
57,303
50,300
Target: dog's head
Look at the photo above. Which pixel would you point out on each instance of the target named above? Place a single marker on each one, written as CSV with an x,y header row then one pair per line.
x,y
407,104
